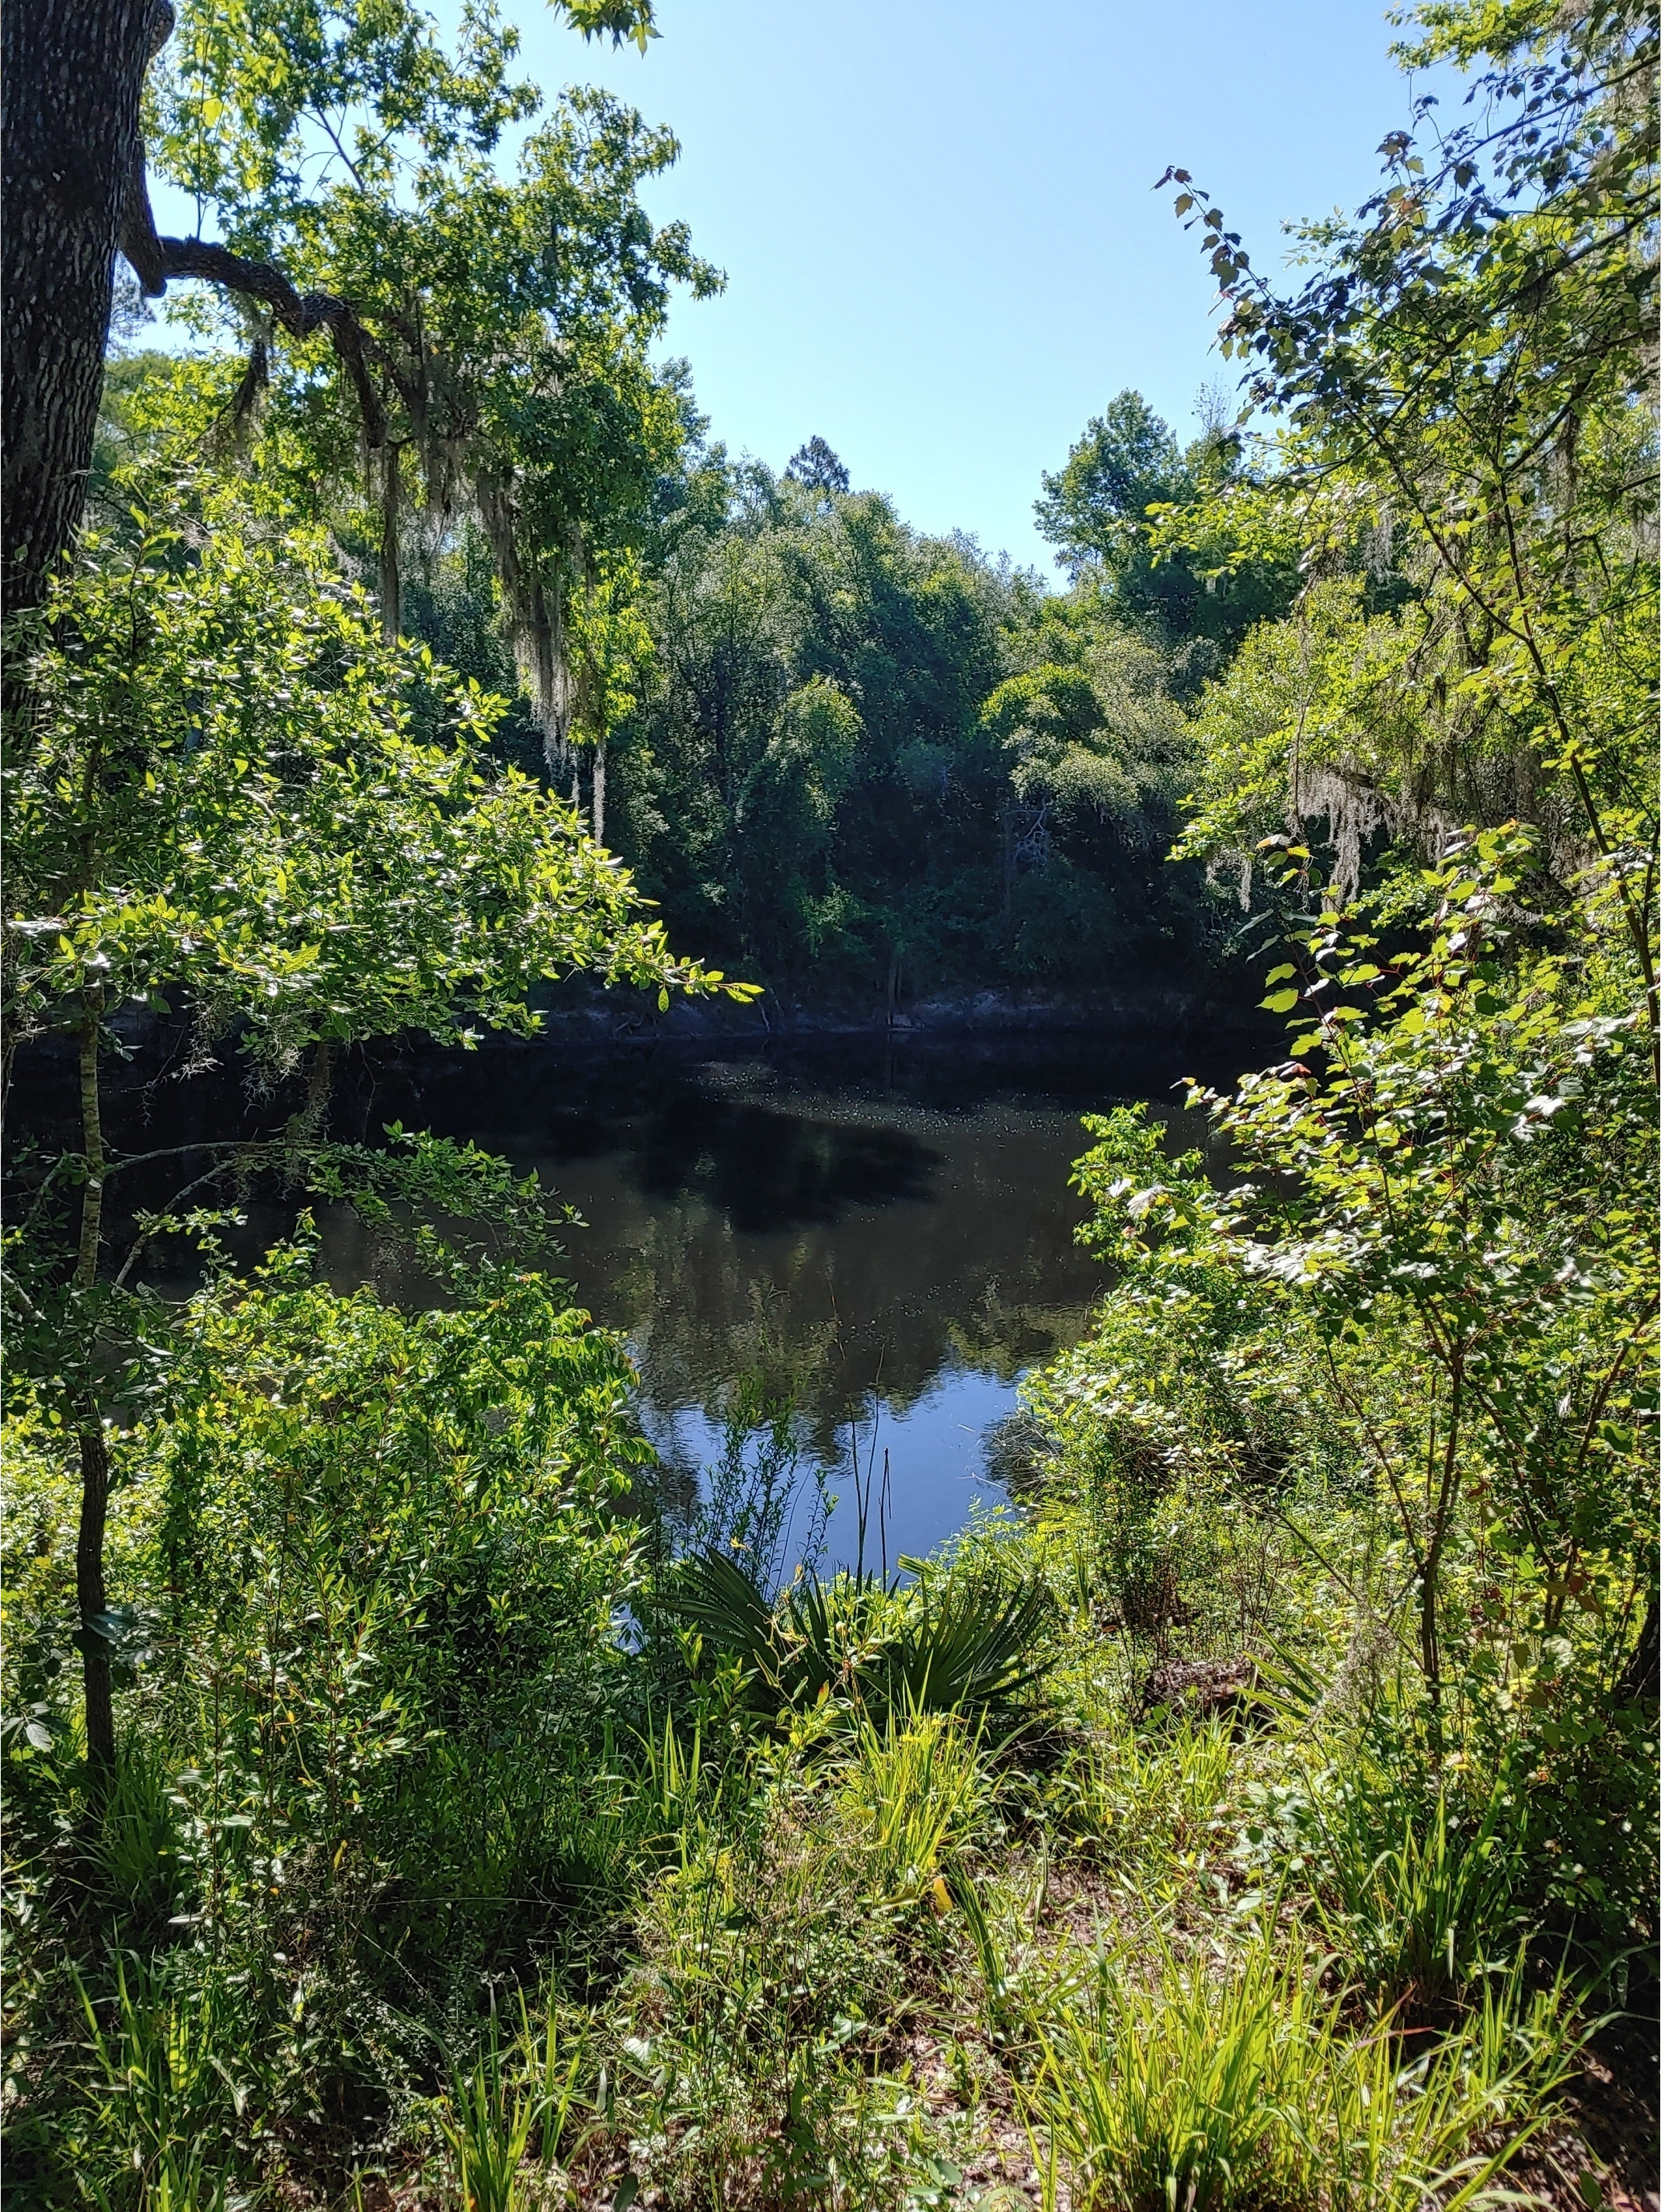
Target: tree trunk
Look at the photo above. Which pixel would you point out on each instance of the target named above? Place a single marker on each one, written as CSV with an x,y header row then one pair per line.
x,y
597,782
1641,1674
90,1596
392,579
72,74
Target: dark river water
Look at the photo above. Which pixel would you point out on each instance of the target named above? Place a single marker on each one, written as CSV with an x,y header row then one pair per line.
x,y
884,1233
880,1231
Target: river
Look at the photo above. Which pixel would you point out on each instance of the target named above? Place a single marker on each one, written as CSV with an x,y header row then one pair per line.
x,y
881,1231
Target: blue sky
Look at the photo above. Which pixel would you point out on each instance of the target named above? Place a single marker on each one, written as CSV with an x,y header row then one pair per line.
x,y
942,250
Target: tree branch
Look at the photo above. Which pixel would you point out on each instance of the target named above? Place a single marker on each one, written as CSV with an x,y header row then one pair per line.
x,y
301,313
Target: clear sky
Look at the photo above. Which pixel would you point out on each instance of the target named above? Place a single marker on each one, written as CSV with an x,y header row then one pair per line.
x,y
942,250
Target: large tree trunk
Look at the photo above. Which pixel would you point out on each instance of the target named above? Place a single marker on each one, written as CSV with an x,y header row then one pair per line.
x,y
72,74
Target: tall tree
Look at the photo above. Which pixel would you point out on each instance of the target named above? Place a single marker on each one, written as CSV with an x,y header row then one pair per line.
x,y
69,83
73,192
1107,513
219,783
1465,388
817,467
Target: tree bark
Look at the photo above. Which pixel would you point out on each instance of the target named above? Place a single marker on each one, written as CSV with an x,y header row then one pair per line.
x,y
69,111
391,580
91,1597
1641,1674
299,313
73,193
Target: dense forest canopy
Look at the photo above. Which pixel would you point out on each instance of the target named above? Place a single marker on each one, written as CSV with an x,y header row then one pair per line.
x,y
402,1799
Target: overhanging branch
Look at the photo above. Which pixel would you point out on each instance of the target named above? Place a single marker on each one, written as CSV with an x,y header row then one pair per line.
x,y
301,313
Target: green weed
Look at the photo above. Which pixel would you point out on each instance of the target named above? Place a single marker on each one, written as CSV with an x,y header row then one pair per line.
x,y
172,2074
1416,1899
913,1792
1170,2082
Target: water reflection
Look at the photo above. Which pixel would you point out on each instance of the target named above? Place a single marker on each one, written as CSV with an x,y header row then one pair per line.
x,y
887,1236
883,1233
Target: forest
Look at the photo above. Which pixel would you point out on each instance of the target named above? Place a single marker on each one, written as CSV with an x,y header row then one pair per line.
x,y
410,1800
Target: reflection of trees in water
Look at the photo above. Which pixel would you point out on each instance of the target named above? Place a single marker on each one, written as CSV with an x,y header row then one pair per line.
x,y
769,1172
701,1316
832,1242
998,1336
979,1269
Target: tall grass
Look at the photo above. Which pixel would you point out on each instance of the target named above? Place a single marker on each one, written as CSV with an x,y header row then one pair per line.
x,y
504,2105
1179,2083
1418,1894
914,1791
1130,1796
169,2083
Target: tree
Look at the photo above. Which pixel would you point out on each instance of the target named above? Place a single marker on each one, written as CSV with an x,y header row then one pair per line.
x,y
1465,394
816,468
1446,1248
882,762
220,779
1097,505
496,360
1464,391
1101,736
1107,511
71,94
74,191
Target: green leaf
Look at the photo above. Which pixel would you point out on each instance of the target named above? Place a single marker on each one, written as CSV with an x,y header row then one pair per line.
x,y
1280,1002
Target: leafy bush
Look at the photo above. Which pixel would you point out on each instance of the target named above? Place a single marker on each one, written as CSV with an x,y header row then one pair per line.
x,y
963,1641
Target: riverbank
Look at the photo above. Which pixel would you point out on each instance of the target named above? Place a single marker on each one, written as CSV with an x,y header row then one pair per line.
x,y
467,1825
731,1915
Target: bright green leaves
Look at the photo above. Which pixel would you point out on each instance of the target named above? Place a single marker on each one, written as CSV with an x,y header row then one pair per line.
x,y
501,360
1121,509
619,19
1440,1208
1099,736
1475,634
221,790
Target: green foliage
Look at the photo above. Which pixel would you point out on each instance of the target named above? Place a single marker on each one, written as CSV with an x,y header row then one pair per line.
x,y
224,780
1466,1337
1188,2086
973,1645
915,1791
488,2129
1151,1808
868,760
1416,1909
1102,734
490,357
1465,420
385,1710
162,2088
1109,511
372,1552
